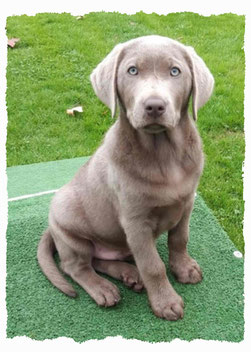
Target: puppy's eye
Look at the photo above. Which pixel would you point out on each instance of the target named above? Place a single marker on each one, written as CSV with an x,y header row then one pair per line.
x,y
133,70
175,71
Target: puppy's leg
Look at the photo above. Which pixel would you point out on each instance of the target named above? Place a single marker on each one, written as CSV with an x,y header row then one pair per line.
x,y
125,272
76,255
181,264
165,302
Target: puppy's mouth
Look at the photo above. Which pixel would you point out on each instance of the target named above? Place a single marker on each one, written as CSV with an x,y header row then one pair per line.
x,y
154,128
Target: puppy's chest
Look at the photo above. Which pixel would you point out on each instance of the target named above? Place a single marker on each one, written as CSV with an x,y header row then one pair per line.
x,y
166,217
169,183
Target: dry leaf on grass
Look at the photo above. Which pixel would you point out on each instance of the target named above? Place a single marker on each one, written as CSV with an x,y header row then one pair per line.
x,y
12,42
74,111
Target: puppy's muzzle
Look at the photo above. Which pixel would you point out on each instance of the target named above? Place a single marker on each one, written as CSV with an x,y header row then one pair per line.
x,y
154,108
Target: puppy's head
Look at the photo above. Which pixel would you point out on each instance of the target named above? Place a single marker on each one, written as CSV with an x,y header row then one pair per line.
x,y
152,78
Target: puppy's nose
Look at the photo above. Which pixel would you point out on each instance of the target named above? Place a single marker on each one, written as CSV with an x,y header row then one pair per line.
x,y
155,107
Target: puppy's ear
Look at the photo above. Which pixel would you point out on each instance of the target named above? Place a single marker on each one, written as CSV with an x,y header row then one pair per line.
x,y
203,81
104,78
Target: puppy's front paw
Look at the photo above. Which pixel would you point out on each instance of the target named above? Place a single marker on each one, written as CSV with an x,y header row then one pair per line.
x,y
186,270
169,307
106,294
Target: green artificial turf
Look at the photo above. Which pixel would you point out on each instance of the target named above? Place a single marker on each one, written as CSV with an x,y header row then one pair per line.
x,y
48,72
213,308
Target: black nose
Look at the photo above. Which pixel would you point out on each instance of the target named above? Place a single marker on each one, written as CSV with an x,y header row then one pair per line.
x,y
155,107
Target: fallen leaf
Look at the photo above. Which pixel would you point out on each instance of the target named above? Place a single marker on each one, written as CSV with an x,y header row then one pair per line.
x,y
12,42
74,110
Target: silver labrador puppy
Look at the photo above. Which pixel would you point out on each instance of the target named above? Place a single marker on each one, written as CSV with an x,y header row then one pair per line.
x,y
140,182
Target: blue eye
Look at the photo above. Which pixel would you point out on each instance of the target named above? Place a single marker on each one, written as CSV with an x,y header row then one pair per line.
x,y
133,70
175,71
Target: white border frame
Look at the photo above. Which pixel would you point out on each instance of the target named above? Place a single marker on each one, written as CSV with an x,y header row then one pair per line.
x,y
74,7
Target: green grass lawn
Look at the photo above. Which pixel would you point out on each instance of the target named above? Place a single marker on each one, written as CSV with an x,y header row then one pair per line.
x,y
48,72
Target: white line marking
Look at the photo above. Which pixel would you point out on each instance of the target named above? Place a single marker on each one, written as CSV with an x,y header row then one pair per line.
x,y
32,195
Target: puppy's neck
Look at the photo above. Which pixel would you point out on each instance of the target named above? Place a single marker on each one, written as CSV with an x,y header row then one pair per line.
x,y
160,144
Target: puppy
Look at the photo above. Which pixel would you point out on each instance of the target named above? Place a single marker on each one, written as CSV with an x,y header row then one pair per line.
x,y
140,182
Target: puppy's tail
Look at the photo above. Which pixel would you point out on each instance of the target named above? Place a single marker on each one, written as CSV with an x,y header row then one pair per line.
x,y
46,249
